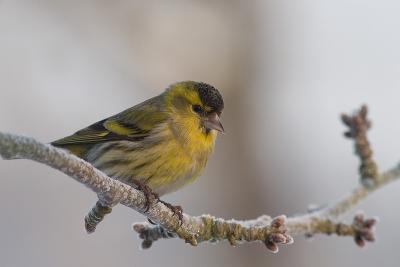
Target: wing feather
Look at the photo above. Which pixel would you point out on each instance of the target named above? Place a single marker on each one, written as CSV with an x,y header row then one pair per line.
x,y
133,124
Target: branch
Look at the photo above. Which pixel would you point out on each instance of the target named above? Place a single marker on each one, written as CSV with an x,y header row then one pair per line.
x,y
265,229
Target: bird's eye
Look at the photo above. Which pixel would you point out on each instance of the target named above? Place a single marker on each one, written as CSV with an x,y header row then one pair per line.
x,y
197,108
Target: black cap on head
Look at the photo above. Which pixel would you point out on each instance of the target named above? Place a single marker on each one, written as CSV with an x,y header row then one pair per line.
x,y
210,96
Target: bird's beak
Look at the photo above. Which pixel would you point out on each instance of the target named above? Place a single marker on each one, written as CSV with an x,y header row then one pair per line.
x,y
212,122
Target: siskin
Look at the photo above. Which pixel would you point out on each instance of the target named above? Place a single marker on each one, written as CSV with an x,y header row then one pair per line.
x,y
159,145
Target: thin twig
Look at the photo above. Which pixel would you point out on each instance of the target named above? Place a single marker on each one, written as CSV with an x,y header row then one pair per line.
x,y
358,125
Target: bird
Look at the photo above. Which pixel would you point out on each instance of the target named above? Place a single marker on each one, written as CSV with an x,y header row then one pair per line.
x,y
157,146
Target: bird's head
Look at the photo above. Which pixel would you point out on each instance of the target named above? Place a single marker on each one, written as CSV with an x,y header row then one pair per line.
x,y
197,104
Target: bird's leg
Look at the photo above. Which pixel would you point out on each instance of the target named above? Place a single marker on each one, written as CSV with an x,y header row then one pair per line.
x,y
177,210
151,196
151,222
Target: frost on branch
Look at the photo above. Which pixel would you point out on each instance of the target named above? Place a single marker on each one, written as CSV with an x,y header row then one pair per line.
x,y
206,228
270,231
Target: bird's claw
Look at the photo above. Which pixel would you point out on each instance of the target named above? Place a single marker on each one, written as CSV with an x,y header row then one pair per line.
x,y
177,210
149,194
152,197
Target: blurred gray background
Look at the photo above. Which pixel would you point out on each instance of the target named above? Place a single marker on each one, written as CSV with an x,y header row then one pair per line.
x,y
287,69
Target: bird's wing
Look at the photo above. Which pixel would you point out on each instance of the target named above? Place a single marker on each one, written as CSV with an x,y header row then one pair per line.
x,y
133,124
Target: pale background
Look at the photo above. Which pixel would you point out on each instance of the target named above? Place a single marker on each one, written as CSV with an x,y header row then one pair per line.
x,y
287,69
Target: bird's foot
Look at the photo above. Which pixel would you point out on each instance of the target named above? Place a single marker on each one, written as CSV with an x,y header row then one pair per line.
x,y
151,222
149,194
152,197
177,210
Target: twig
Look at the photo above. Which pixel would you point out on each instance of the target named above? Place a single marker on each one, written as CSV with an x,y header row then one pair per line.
x,y
358,126
95,216
270,231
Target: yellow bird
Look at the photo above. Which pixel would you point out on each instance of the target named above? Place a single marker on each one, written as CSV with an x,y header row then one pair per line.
x,y
161,144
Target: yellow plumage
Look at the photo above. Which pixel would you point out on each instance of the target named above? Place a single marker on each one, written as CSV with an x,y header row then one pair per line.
x,y
163,142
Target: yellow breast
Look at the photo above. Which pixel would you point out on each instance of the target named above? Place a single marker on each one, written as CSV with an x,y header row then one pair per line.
x,y
166,161
185,156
